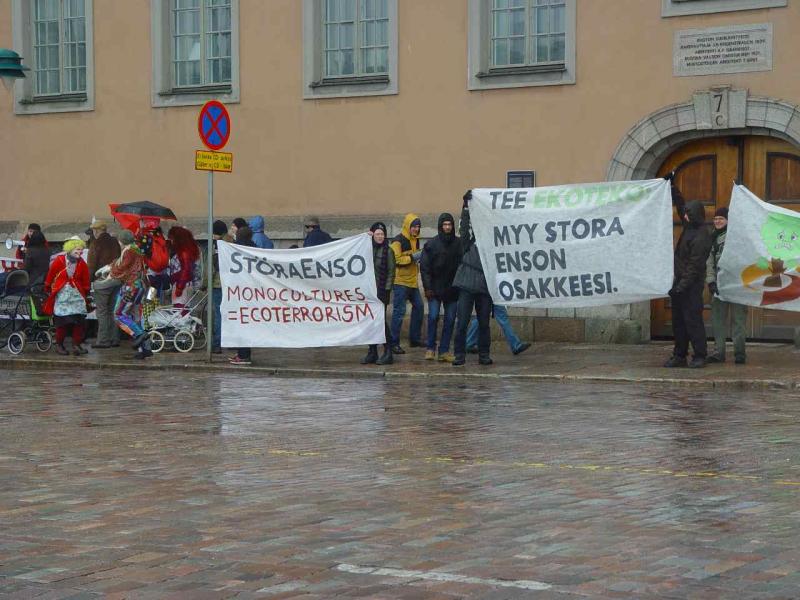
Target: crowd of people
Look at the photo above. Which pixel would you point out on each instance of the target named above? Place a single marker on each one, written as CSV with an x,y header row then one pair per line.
x,y
122,277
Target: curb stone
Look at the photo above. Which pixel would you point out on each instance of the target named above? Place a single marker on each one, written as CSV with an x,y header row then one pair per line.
x,y
287,372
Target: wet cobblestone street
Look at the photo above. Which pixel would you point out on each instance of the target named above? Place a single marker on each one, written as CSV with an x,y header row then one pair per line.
x,y
118,484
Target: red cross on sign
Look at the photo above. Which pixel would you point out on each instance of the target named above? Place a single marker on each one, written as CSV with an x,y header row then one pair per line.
x,y
214,125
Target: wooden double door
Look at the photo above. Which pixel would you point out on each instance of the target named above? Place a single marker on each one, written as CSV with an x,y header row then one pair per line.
x,y
705,170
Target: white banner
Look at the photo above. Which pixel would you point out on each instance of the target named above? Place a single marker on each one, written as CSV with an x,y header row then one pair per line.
x,y
575,246
759,264
309,297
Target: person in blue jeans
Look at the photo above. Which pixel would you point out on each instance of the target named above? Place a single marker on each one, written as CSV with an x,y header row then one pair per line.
x,y
219,231
516,345
441,257
407,255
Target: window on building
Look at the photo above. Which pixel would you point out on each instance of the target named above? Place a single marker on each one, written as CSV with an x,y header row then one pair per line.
x,y
201,42
356,36
59,42
55,39
195,51
350,47
527,32
516,43
677,8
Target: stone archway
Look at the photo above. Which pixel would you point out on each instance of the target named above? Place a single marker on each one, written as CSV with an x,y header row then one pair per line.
x,y
711,113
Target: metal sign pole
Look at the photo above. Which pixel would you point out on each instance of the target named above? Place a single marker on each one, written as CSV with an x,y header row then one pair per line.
x,y
210,268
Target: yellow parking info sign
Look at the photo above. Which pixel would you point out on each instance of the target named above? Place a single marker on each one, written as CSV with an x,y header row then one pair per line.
x,y
213,161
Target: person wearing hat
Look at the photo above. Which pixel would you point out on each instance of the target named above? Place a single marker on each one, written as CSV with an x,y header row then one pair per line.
x,y
383,262
721,311
103,250
131,270
67,285
32,228
314,235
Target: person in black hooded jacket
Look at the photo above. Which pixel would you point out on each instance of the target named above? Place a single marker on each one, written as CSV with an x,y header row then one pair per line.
x,y
438,265
473,293
691,254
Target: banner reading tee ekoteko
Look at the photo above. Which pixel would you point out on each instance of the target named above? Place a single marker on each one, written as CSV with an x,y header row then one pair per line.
x,y
761,255
575,246
320,296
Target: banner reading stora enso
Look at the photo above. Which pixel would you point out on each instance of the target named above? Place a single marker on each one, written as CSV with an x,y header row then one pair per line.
x,y
575,246
320,296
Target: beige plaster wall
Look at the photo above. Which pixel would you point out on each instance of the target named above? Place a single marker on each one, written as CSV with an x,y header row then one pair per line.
x,y
418,150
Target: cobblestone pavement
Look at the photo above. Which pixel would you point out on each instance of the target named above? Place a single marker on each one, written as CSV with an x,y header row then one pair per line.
x,y
236,486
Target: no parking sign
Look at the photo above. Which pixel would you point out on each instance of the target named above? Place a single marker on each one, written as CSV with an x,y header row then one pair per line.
x,y
214,127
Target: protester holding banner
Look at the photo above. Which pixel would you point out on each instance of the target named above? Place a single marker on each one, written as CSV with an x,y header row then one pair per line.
x,y
440,259
473,293
384,266
244,237
260,239
690,254
219,232
406,286
720,309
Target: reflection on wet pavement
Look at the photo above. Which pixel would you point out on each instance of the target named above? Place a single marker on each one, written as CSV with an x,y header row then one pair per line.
x,y
217,486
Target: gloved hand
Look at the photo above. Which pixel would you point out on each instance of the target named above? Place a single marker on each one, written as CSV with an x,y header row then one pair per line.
x,y
712,287
417,255
670,176
429,294
467,197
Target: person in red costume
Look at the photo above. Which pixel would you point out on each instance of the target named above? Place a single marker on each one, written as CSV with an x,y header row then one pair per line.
x,y
183,264
67,285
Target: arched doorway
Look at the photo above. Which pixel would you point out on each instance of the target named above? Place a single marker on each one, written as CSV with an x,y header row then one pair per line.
x,y
705,170
755,140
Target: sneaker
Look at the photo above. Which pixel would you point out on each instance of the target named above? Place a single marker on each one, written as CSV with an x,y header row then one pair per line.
x,y
459,361
239,361
446,357
485,360
521,348
397,349
674,362
714,358
430,355
740,360
697,362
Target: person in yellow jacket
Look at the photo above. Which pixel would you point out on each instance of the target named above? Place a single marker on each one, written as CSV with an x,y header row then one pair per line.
x,y
406,289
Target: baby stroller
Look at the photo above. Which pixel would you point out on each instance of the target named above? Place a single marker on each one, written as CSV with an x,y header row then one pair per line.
x,y
181,326
20,321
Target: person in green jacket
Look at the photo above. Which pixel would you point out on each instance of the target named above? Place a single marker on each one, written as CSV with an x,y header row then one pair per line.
x,y
721,310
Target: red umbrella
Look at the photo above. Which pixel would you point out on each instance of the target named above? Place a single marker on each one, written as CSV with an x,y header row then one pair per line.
x,y
133,215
